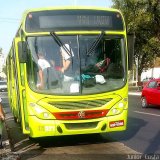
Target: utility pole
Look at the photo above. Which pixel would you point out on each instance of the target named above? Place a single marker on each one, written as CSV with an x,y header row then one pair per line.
x,y
136,60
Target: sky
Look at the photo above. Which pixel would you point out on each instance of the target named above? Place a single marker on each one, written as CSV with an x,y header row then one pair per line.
x,y
11,12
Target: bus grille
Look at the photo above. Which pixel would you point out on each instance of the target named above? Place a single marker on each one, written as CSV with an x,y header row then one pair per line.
x,y
87,104
73,126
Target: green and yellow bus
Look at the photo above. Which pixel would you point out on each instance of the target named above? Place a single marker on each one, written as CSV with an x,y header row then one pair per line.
x,y
91,95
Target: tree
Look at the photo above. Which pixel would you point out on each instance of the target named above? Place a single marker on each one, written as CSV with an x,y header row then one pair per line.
x,y
0,51
4,69
143,18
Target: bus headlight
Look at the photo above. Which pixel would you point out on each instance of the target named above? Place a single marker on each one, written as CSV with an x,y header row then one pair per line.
x,y
40,112
117,108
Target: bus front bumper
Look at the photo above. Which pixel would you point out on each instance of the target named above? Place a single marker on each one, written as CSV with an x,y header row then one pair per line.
x,y
43,128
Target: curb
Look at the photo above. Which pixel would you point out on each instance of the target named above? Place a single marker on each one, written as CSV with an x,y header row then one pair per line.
x,y
134,93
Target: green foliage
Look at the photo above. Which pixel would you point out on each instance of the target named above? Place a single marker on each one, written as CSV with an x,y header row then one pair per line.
x,y
0,51
4,69
143,18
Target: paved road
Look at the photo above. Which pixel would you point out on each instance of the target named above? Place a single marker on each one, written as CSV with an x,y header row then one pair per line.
x,y
142,136
143,133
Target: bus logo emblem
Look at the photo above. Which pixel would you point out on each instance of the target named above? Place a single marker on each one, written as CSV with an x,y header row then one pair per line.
x,y
81,114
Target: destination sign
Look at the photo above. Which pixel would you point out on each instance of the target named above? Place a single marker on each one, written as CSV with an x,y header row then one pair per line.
x,y
73,20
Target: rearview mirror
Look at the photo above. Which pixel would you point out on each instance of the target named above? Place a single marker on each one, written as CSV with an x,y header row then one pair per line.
x,y
131,41
22,51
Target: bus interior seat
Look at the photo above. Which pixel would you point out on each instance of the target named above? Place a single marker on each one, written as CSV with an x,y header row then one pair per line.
x,y
51,78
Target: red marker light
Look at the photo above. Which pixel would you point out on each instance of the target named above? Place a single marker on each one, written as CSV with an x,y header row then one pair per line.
x,y
30,16
118,16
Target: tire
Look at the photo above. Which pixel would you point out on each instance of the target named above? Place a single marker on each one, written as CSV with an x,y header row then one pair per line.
x,y
15,119
144,102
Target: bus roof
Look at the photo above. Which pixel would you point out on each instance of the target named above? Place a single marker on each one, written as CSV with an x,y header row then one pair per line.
x,y
67,8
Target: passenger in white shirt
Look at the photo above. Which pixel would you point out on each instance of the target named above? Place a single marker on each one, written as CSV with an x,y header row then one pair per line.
x,y
43,64
66,62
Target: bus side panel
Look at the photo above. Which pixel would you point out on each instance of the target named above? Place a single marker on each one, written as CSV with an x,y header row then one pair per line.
x,y
21,91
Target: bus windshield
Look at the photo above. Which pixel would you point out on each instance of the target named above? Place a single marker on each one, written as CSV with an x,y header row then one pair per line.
x,y
80,64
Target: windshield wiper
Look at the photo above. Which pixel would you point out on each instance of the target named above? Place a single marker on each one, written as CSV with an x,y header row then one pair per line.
x,y
95,43
60,43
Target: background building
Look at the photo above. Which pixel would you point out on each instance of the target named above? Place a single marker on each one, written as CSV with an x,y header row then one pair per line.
x,y
152,72
2,63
